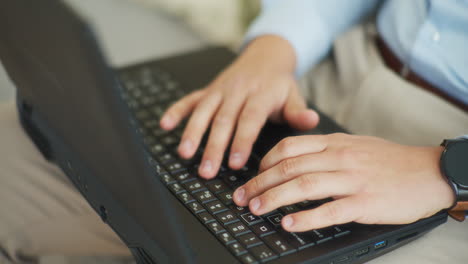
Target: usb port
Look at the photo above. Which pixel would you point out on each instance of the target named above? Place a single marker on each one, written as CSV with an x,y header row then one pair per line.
x,y
361,252
380,244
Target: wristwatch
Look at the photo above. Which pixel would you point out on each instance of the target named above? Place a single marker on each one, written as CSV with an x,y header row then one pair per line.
x,y
454,166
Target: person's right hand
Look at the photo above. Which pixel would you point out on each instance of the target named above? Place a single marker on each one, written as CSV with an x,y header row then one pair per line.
x,y
259,85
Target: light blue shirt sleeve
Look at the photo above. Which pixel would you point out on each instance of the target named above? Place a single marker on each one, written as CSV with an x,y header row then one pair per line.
x,y
310,26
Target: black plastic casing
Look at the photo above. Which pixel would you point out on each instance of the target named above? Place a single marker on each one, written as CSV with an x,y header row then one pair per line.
x,y
454,166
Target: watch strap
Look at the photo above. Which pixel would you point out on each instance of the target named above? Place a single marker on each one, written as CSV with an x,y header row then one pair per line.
x,y
459,211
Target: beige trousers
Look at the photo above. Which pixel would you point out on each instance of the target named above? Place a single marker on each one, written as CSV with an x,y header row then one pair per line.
x,y
41,214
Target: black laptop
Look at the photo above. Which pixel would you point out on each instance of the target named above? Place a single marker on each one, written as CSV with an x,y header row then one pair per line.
x,y
100,125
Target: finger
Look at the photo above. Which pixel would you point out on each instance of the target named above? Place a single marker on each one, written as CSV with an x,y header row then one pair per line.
x,y
296,113
179,110
332,213
197,125
284,171
293,147
221,131
251,120
313,186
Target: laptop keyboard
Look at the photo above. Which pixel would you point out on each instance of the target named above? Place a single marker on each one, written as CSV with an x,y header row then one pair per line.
x,y
148,91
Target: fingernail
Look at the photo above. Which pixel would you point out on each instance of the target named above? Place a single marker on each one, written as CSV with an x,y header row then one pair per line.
x,y
288,221
255,204
206,166
235,159
314,114
167,121
240,193
185,146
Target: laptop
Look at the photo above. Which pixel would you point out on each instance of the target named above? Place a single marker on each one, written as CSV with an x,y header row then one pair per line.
x,y
100,126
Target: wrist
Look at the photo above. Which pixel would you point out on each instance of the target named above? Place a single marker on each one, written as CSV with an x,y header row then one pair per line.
x,y
273,53
445,193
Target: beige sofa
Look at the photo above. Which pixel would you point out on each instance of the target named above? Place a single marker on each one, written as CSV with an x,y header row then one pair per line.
x,y
222,22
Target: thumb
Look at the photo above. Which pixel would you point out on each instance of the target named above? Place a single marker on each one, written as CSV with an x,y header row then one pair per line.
x,y
296,113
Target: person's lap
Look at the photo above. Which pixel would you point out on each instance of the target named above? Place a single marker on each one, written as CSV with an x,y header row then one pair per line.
x,y
42,213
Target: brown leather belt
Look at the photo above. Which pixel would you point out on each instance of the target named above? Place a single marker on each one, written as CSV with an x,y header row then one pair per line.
x,y
459,211
392,62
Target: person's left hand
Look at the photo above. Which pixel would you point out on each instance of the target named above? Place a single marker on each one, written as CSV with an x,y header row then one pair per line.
x,y
371,181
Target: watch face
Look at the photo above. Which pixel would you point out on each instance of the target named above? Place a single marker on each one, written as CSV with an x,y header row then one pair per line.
x,y
456,163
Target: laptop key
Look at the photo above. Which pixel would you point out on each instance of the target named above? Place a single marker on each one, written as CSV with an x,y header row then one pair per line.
x,y
226,197
216,227
185,197
239,210
164,97
223,168
263,229
227,217
278,244
215,207
166,158
149,140
193,186
190,163
217,186
321,235
204,196
289,209
305,204
176,188
157,149
167,179
250,240
251,219
340,231
206,217
226,238
275,219
233,180
170,140
248,259
156,166
133,104
195,207
157,132
142,115
263,253
158,111
174,166
152,123
184,176
237,249
147,101
237,228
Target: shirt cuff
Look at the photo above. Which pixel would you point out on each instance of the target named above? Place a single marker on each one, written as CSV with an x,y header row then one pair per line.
x,y
298,23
